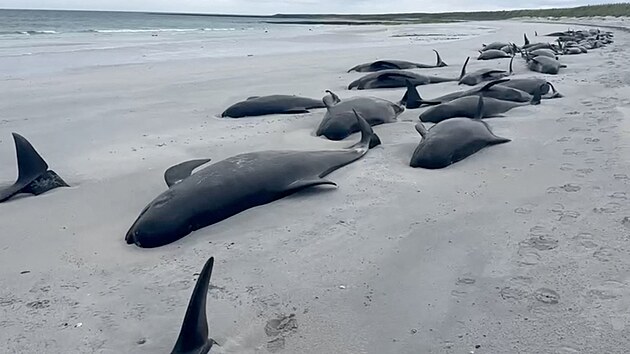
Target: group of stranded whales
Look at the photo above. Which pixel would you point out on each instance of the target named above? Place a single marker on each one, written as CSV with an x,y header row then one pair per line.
x,y
220,190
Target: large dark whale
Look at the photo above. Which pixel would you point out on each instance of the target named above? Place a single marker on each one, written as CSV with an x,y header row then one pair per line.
x,y
380,65
340,121
34,177
482,75
493,89
467,107
395,78
238,183
193,336
544,65
453,140
274,104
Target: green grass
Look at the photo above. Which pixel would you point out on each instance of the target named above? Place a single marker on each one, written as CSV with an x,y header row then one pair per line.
x,y
616,10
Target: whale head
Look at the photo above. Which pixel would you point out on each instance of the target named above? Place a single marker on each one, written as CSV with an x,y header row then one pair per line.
x,y
160,223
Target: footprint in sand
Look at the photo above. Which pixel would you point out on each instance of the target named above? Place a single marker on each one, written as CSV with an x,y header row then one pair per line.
x,y
279,328
525,209
573,152
604,254
569,188
591,140
583,172
585,240
609,208
564,214
547,296
517,289
39,304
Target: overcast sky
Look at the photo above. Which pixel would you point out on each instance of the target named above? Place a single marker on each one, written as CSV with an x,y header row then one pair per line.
x,y
266,7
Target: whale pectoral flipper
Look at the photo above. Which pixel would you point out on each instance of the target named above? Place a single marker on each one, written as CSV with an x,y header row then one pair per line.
x,y
306,183
193,336
181,171
492,72
296,110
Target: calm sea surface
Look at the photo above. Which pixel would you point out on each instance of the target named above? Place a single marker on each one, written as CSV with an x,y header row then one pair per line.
x,y
34,22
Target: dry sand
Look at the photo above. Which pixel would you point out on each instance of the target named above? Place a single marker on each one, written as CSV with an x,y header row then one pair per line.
x,y
520,248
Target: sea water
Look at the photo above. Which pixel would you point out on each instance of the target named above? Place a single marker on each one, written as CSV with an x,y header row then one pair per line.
x,y
46,41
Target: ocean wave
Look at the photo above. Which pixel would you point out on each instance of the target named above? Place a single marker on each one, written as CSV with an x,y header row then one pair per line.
x,y
143,30
219,29
124,30
28,33
129,30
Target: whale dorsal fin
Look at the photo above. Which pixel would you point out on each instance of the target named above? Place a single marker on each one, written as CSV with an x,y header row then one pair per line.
x,y
479,112
463,72
181,171
526,39
30,166
252,98
193,336
511,72
440,63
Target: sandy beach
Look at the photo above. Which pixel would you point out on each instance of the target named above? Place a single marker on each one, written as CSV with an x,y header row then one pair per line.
x,y
520,248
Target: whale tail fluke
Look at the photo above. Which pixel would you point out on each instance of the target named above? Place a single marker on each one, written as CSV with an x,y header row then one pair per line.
x,y
193,336
33,174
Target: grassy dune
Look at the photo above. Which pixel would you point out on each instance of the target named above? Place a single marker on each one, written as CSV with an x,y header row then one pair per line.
x,y
616,10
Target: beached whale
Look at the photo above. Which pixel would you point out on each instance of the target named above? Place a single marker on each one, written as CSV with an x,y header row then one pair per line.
x,y
491,89
545,52
380,65
468,107
340,121
494,45
193,335
481,75
453,140
394,78
533,84
34,177
544,65
493,54
274,104
230,186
